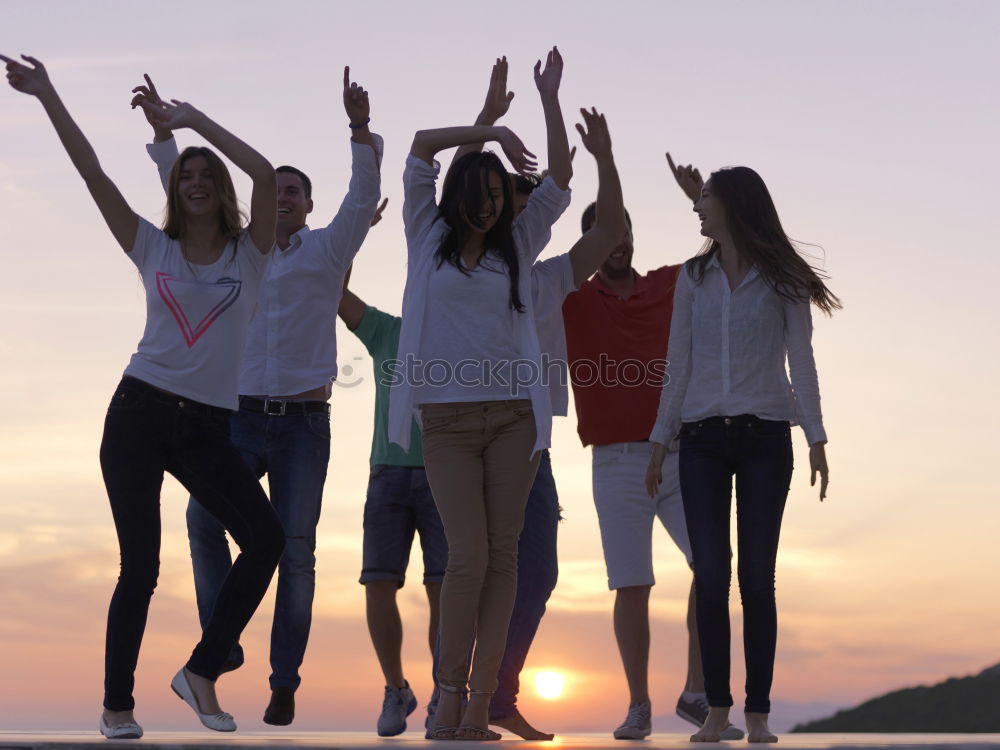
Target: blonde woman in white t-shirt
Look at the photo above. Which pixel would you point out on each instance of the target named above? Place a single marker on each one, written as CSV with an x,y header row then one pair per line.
x,y
467,327
171,410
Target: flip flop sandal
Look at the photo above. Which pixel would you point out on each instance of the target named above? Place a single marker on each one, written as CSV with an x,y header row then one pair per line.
x,y
475,734
442,733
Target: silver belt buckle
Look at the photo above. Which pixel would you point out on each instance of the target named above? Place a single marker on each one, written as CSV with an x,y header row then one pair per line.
x,y
269,409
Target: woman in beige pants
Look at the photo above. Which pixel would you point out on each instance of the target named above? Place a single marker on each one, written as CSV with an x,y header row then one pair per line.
x,y
471,360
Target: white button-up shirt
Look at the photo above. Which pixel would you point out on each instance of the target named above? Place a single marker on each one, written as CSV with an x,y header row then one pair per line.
x,y
291,344
425,229
727,356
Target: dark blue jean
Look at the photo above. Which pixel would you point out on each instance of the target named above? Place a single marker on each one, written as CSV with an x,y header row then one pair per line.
x,y
759,454
537,571
293,450
148,432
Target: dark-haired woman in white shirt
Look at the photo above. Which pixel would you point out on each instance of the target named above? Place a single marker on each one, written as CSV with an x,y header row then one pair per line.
x,y
741,305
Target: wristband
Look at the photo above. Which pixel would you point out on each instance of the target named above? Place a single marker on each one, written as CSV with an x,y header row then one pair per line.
x,y
352,126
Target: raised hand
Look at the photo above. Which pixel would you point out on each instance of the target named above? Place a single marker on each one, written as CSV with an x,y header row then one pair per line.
x,y
378,214
355,100
523,161
147,93
150,94
688,178
171,115
498,98
548,80
33,81
596,138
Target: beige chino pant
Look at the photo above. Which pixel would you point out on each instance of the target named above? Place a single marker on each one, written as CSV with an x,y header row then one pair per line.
x,y
480,469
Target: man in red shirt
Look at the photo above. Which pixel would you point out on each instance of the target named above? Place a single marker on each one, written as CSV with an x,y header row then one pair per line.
x,y
617,325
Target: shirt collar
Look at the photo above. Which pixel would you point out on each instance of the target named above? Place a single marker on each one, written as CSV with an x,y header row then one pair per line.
x,y
639,286
753,273
297,239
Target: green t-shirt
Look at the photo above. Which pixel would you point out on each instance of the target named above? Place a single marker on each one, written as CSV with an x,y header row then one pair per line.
x,y
379,332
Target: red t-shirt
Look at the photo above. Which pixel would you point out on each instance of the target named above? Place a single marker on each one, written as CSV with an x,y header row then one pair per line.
x,y
617,352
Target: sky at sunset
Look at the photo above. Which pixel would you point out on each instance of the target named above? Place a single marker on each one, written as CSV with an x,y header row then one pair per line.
x,y
874,126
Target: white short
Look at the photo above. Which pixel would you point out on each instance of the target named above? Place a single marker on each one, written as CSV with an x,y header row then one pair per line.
x,y
625,511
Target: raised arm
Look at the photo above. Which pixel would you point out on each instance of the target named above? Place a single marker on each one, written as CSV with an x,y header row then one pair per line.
x,y
346,232
688,178
163,149
149,93
547,81
426,143
264,200
609,227
118,215
352,307
498,100
358,113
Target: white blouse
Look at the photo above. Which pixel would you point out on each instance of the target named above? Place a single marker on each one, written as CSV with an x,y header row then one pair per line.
x,y
727,356
424,231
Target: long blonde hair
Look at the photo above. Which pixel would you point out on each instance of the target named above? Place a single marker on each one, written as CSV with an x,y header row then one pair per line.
x,y
231,218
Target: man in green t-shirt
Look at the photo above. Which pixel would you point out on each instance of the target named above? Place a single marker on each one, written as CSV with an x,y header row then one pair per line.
x,y
399,503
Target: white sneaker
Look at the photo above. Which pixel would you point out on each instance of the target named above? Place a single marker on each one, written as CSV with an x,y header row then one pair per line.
x,y
638,724
397,704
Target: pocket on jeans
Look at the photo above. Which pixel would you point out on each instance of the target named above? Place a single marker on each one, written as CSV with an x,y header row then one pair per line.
x,y
606,458
690,429
436,416
765,428
319,424
127,399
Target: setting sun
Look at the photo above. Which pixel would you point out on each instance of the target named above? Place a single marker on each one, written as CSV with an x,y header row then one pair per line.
x,y
549,685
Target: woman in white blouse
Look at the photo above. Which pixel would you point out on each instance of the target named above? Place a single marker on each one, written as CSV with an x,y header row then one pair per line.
x,y
740,306
470,354
171,410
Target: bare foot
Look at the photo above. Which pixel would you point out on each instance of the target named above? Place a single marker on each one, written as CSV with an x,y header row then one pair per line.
x,y
449,710
204,693
477,712
757,729
519,725
715,722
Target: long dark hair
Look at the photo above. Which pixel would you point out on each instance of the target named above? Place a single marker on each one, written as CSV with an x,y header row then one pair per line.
x,y
752,221
231,219
466,188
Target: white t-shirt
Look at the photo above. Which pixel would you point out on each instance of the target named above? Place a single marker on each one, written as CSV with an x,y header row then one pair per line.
x,y
196,316
291,343
425,229
468,344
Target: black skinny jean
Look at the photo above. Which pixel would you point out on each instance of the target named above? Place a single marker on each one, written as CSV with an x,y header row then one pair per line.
x,y
147,432
759,454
